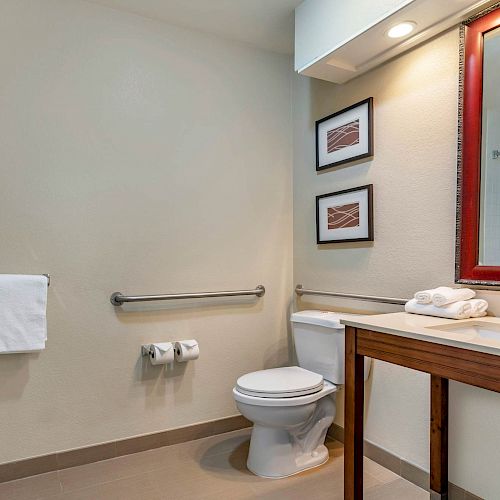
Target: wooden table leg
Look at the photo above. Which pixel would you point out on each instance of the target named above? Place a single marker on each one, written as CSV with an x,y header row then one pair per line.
x,y
439,438
353,419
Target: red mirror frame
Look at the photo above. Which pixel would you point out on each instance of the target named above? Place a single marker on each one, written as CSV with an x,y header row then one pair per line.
x,y
467,268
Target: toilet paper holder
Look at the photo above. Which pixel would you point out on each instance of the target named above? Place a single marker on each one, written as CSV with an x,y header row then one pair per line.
x,y
149,350
161,353
146,349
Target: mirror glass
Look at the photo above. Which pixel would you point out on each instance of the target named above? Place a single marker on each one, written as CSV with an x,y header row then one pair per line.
x,y
489,231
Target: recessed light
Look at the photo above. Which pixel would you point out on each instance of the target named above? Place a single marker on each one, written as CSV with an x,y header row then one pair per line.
x,y
402,29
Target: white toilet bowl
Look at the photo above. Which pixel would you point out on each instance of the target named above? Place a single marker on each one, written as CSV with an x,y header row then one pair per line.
x,y
289,430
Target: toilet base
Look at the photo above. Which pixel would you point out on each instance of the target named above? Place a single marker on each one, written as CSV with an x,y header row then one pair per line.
x,y
309,462
277,452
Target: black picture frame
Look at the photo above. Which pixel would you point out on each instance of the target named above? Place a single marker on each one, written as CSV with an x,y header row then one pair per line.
x,y
370,237
369,153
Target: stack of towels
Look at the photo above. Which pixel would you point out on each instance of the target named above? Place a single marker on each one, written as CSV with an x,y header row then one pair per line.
x,y
446,302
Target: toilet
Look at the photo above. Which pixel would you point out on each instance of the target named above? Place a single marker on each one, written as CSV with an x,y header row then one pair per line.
x,y
293,407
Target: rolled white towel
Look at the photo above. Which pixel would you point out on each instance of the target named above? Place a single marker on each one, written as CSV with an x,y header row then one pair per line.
x,y
479,307
426,296
448,296
457,310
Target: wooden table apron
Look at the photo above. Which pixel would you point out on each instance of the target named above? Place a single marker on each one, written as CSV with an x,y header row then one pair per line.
x,y
442,362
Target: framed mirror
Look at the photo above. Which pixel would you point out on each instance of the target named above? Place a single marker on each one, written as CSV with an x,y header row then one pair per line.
x,y
478,197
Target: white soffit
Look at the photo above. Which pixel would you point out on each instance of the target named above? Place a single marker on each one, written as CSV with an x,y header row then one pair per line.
x,y
371,47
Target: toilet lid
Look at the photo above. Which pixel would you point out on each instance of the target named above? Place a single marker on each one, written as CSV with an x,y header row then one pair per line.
x,y
286,382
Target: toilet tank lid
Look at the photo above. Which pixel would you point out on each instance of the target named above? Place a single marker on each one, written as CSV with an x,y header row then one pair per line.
x,y
329,319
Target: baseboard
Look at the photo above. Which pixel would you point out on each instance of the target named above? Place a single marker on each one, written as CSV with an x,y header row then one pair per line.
x,y
401,467
80,456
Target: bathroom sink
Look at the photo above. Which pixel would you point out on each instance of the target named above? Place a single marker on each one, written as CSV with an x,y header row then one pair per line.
x,y
472,330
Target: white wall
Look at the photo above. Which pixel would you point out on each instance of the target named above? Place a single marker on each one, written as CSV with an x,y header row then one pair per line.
x,y
414,177
139,157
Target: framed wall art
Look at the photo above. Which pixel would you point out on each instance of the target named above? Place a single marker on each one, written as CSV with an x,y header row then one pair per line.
x,y
345,215
345,136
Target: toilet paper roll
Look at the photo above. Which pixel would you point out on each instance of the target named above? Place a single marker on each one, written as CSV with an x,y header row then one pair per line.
x,y
186,350
161,353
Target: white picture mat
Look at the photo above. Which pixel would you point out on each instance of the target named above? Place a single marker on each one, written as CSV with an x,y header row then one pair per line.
x,y
344,233
359,112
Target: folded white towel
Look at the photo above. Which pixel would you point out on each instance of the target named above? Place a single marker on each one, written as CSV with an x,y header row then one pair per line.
x,y
479,307
447,296
23,305
457,310
425,296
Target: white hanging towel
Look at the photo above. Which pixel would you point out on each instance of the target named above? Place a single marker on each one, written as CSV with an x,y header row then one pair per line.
x,y
457,310
23,312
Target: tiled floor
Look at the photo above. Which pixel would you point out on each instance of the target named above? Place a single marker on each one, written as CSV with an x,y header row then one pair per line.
x,y
211,468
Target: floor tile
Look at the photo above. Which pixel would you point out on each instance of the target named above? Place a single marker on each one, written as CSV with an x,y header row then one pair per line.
x,y
396,490
302,492
31,488
229,492
326,481
146,461
84,476
119,468
132,488
380,473
207,469
213,475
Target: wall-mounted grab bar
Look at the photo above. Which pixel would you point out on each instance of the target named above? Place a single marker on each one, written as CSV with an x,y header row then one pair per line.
x,y
117,299
369,298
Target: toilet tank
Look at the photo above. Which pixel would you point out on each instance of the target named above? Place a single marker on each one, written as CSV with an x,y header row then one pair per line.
x,y
320,343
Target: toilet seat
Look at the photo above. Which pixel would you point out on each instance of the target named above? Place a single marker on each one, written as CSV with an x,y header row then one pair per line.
x,y
286,382
328,388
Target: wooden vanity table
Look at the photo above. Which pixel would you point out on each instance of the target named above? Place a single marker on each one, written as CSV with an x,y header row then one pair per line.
x,y
426,344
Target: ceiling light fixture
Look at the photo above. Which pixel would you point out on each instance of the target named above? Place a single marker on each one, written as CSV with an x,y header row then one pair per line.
x,y
402,29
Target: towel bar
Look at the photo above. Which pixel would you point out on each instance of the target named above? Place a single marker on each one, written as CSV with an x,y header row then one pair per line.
x,y
117,299
369,298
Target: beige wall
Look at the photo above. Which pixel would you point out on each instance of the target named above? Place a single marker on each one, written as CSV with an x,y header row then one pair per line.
x,y
139,157
414,177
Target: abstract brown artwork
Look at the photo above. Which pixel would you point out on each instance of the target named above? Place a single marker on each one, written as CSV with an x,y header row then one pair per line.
x,y
343,216
343,136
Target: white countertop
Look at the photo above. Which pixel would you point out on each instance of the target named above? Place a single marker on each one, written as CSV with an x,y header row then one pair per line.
x,y
416,326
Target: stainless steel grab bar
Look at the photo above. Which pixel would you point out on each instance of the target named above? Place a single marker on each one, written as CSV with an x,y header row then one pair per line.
x,y
299,290
117,299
